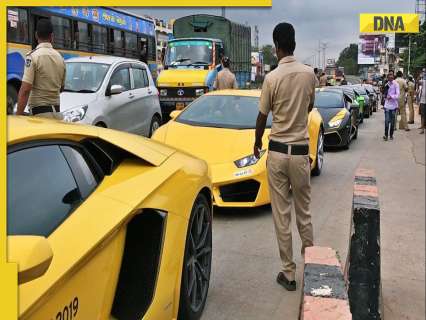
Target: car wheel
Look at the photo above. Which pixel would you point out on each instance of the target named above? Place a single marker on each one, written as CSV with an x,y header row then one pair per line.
x,y
155,124
356,133
320,154
12,98
197,261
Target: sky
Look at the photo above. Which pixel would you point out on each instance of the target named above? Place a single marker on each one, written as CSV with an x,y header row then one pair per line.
x,y
334,22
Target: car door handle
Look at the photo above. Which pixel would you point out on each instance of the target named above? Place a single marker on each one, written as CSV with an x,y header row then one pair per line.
x,y
131,96
149,91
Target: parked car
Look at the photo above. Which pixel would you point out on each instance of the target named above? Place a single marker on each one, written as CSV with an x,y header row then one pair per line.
x,y
339,116
101,229
219,128
111,92
374,95
361,91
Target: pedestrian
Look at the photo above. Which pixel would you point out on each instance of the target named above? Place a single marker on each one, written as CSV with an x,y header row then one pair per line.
x,y
288,92
225,78
343,82
392,95
323,80
422,107
44,76
402,95
411,90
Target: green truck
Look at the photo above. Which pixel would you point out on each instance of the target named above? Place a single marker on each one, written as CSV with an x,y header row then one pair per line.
x,y
192,58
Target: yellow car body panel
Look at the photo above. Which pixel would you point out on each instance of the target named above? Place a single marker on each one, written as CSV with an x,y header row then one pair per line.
x,y
88,246
220,147
182,78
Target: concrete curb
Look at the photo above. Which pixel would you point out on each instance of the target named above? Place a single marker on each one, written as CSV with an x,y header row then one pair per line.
x,y
324,289
362,269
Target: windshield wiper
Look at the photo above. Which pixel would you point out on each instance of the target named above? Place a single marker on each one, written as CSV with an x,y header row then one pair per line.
x,y
198,63
173,63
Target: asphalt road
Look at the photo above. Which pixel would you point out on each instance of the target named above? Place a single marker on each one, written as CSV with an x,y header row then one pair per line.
x,y
246,260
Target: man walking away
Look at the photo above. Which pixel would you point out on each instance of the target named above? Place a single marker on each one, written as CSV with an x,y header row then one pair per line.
x,y
323,80
288,92
411,88
225,78
402,92
391,105
44,76
422,95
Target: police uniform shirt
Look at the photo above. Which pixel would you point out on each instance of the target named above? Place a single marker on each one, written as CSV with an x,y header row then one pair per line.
x,y
287,92
225,80
402,88
45,71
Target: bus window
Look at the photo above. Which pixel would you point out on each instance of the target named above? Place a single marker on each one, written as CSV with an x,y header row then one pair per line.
x,y
99,38
117,42
17,25
131,40
81,36
143,47
61,32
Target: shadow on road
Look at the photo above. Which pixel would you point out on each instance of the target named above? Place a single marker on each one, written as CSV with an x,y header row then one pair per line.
x,y
241,213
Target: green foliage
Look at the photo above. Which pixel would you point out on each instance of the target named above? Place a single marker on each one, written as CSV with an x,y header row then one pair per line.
x,y
348,59
268,55
418,51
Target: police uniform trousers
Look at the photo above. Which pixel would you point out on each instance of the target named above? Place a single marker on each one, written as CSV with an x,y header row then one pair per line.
x,y
410,100
285,171
403,113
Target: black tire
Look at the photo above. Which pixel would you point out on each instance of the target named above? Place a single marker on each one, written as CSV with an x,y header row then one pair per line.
x,y
320,154
197,261
101,124
356,133
12,98
155,124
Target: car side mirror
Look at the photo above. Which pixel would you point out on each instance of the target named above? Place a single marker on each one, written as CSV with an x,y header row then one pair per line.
x,y
174,114
114,89
33,255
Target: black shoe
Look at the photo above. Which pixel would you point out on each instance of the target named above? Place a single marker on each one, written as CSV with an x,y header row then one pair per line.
x,y
407,129
289,285
385,138
410,122
391,138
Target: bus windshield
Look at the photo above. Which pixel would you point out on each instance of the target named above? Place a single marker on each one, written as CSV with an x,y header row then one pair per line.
x,y
189,53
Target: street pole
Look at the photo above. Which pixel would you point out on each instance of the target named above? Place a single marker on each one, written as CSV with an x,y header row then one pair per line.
x,y
319,54
223,12
409,53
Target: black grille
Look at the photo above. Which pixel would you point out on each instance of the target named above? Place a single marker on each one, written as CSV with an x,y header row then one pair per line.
x,y
244,191
332,139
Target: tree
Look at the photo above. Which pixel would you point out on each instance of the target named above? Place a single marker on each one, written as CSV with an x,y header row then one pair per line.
x,y
418,51
268,55
348,59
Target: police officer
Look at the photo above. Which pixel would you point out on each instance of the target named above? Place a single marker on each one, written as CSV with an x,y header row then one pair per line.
x,y
323,80
288,92
402,93
44,76
225,78
411,90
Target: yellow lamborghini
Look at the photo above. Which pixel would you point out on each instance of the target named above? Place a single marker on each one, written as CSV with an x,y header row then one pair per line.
x,y
219,128
105,225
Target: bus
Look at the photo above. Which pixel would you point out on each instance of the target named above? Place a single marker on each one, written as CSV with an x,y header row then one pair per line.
x,y
78,31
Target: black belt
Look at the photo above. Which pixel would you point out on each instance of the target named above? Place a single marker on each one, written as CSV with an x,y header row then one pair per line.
x,y
295,149
43,109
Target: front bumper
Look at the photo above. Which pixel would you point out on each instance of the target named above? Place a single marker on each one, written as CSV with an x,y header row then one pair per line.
x,y
336,138
240,187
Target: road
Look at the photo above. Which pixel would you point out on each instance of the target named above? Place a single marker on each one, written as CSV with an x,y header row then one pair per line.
x,y
246,260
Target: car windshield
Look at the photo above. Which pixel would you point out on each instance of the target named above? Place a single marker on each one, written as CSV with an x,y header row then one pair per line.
x,y
328,99
84,77
189,52
235,112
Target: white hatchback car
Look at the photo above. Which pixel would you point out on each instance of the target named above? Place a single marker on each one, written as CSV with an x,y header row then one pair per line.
x,y
112,92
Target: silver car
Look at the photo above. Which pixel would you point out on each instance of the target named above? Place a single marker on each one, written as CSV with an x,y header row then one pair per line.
x,y
111,92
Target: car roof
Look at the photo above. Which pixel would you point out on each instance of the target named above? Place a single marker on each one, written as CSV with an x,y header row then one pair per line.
x,y
242,93
103,59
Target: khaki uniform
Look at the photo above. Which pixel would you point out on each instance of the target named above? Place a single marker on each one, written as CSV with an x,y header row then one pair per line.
x,y
410,98
287,92
45,71
225,80
402,111
323,81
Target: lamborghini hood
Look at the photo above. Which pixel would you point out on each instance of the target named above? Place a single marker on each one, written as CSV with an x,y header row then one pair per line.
x,y
214,145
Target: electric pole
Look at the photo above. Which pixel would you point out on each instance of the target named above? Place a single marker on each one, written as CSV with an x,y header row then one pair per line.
x,y
223,12
256,37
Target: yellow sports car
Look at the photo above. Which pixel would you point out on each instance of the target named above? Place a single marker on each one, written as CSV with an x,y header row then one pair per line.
x,y
219,128
105,225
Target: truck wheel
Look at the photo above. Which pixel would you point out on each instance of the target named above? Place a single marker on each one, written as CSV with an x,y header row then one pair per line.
x,y
12,98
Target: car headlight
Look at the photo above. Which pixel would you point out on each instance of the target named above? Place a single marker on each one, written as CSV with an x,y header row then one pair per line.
x,y
199,92
335,123
163,92
75,114
249,160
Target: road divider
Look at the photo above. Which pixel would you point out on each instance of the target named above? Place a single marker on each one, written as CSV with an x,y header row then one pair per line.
x,y
324,289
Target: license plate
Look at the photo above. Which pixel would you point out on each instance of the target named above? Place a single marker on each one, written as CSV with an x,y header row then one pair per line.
x,y
180,105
